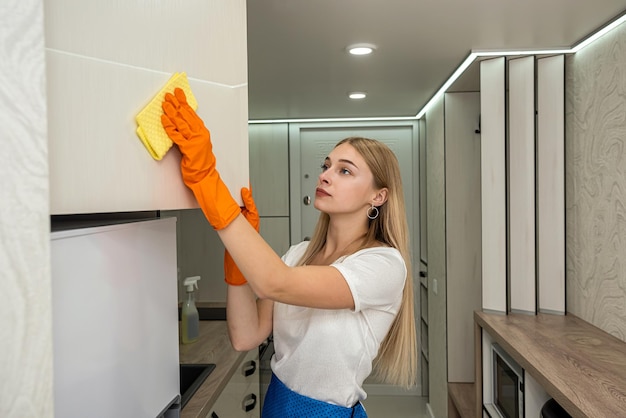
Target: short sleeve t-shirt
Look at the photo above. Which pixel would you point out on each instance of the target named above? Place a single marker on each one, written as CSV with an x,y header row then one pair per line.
x,y
326,354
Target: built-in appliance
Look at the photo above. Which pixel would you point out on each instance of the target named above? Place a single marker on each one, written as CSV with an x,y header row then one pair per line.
x,y
508,386
115,331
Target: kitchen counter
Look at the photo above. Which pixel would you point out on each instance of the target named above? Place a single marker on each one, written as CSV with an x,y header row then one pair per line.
x,y
581,366
213,346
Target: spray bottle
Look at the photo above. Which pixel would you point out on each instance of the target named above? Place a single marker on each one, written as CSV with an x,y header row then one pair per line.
x,y
190,325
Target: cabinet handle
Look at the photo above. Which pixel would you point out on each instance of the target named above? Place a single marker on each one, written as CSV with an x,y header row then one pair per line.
x,y
249,402
249,368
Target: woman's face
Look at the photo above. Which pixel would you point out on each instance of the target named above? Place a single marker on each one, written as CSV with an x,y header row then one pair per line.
x,y
346,184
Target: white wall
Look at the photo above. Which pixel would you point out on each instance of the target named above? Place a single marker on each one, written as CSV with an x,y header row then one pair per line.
x,y
25,291
595,183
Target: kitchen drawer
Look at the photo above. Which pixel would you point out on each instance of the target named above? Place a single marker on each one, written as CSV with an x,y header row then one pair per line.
x,y
240,397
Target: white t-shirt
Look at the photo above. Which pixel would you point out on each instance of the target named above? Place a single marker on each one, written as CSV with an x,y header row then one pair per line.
x,y
326,354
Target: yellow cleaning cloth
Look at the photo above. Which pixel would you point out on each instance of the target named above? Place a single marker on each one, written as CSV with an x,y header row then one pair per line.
x,y
149,127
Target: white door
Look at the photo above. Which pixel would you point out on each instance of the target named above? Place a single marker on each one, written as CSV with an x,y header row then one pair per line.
x,y
312,143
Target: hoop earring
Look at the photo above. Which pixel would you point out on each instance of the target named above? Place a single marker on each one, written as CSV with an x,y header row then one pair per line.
x,y
373,209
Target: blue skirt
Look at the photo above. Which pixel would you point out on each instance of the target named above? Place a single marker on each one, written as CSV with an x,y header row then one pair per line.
x,y
282,402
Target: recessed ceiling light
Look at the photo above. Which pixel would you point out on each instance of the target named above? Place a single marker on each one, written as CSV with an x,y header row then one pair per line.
x,y
361,49
357,95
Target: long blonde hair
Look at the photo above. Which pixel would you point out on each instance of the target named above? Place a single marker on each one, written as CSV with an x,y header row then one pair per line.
x,y
396,362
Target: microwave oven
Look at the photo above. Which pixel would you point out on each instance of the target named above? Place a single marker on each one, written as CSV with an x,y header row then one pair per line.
x,y
508,386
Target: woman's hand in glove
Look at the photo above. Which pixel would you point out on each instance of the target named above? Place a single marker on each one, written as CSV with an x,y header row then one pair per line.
x,y
187,130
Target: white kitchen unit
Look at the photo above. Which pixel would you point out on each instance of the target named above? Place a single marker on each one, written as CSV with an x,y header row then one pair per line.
x,y
240,398
463,230
115,320
104,62
452,290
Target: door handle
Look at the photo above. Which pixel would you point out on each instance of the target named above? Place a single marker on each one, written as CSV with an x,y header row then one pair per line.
x,y
249,368
249,402
306,200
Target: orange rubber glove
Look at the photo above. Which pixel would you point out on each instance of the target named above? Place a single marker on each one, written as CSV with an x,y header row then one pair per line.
x,y
232,274
187,130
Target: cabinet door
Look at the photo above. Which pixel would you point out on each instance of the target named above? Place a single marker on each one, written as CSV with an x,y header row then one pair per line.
x,y
105,62
269,168
240,397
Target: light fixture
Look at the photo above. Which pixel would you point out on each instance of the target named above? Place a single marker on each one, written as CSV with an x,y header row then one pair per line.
x,y
357,95
361,49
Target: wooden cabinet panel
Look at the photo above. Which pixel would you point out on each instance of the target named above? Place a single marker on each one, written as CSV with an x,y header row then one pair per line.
x,y
493,188
97,162
207,39
521,184
551,184
463,230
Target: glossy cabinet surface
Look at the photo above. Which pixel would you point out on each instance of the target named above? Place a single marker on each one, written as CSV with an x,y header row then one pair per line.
x,y
104,62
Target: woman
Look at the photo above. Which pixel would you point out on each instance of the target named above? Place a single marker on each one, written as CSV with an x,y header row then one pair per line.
x,y
337,305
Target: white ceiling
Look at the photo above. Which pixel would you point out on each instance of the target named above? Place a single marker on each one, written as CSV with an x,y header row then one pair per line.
x,y
298,67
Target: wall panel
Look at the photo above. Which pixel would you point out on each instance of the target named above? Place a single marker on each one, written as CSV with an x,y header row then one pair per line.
x,y
493,175
463,230
551,184
26,364
521,187
596,183
436,206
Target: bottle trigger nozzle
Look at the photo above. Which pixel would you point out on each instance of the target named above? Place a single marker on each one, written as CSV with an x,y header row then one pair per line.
x,y
191,282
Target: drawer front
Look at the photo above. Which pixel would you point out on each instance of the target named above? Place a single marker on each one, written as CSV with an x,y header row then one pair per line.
x,y
240,397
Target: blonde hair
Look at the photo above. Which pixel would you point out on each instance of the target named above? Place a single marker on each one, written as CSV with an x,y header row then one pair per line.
x,y
396,362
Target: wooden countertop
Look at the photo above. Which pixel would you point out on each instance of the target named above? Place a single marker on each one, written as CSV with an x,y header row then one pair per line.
x,y
213,346
582,367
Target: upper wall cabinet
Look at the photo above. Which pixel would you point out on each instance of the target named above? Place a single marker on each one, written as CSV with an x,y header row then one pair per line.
x,y
105,61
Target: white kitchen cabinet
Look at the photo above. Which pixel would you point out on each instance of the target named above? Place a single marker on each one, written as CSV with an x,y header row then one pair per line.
x,y
240,398
104,62
463,230
453,282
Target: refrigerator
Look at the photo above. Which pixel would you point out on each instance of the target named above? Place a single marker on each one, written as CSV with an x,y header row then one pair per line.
x,y
115,320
